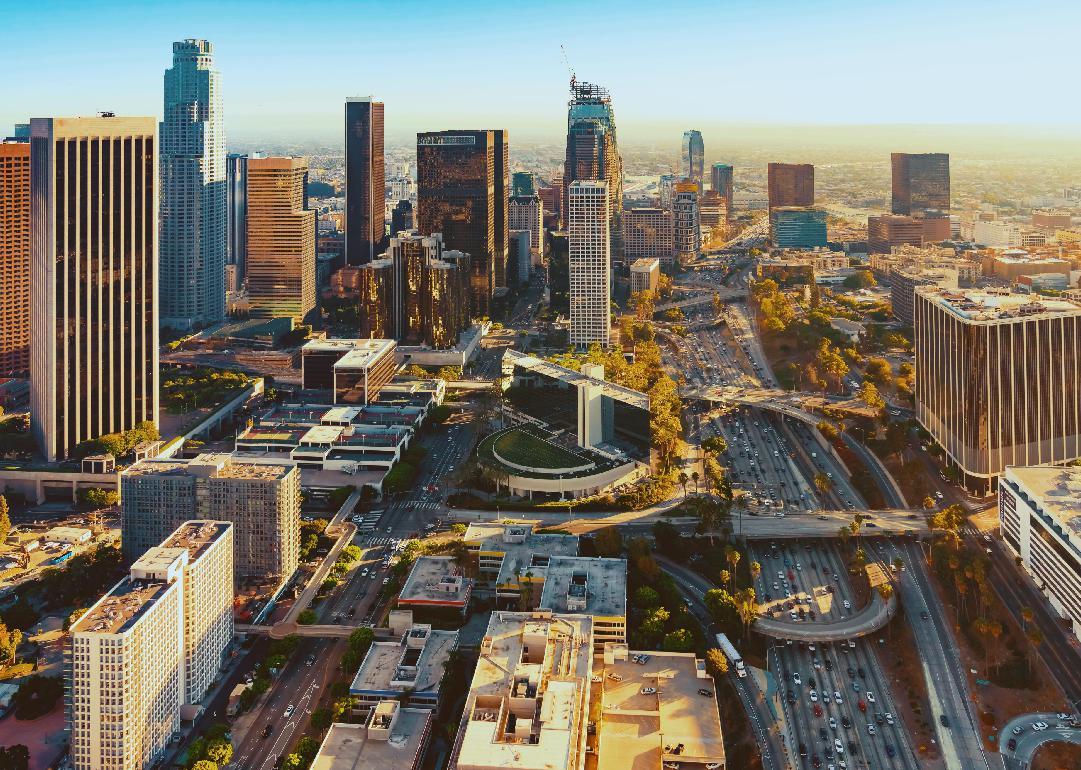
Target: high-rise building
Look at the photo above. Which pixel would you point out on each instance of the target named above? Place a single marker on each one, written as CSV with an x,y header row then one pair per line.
x,y
365,225
693,156
790,184
795,227
193,190
262,501
519,257
93,278
998,379
281,240
236,201
401,218
589,262
648,233
686,223
645,274
417,293
462,193
523,183
593,152
888,230
14,258
713,212
525,212
666,187
721,181
144,656
921,182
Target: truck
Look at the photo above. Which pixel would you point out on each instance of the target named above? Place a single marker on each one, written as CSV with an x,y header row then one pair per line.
x,y
730,653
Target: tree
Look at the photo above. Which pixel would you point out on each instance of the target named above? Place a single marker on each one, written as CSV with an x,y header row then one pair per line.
x,y
716,662
15,757
204,764
680,640
715,444
695,476
726,576
609,542
878,371
356,647
732,556
5,519
219,751
928,503
756,570
307,617
869,395
823,482
1026,617
321,719
646,598
683,479
9,643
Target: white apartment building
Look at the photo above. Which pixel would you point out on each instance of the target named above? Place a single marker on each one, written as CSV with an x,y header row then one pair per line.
x,y
146,653
1006,235
645,275
526,212
1040,518
590,263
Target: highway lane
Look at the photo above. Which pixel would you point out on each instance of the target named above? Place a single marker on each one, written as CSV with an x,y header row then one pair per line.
x,y
1027,740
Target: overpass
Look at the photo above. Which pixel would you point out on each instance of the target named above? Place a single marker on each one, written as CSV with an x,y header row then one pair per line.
x,y
798,404
725,293
868,620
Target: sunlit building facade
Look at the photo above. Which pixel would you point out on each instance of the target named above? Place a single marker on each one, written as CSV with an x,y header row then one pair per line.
x,y
790,184
14,258
693,156
365,214
593,152
589,263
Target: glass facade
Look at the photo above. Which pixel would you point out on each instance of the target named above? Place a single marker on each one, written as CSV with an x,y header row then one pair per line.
x,y
790,184
921,182
365,217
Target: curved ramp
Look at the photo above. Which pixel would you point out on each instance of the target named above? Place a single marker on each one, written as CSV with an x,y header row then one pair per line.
x,y
868,620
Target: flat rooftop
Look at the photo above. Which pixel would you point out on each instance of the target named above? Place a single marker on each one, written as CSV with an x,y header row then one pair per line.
x,y
645,264
523,549
602,583
436,580
222,465
980,306
118,610
571,377
1058,491
640,732
348,747
370,347
196,535
381,670
362,359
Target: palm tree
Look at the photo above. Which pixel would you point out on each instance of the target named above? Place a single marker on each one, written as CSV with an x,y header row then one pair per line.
x,y
732,556
725,577
747,606
1035,638
1026,617
845,534
683,479
695,477
823,482
756,570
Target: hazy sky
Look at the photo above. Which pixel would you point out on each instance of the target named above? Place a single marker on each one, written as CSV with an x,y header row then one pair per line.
x,y
479,63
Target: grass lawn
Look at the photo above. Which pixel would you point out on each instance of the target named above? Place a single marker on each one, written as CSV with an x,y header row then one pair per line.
x,y
521,447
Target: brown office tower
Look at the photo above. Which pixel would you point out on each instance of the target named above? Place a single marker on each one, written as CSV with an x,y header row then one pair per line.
x,y
593,153
462,189
888,230
791,184
14,258
721,177
281,240
921,182
93,278
365,225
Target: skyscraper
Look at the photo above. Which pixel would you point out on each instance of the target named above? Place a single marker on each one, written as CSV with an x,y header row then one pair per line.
x,y
281,240
791,184
921,182
14,257
401,218
523,183
721,178
236,201
593,152
694,156
365,214
589,262
93,278
526,212
686,222
462,193
193,190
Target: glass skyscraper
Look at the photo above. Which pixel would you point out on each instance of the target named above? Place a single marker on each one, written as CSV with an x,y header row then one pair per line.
x,y
694,156
365,213
193,190
593,151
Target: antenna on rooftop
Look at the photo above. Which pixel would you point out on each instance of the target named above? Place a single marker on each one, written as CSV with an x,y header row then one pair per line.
x,y
566,62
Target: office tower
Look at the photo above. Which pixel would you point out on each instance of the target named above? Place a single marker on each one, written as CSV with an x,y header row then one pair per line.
x,y
713,212
523,183
998,378
417,293
519,259
694,156
262,501
93,278
355,371
552,201
525,212
888,230
365,224
144,656
721,176
236,201
401,218
790,184
648,233
281,240
593,152
462,193
921,182
666,187
14,258
645,274
589,262
193,191
903,283
686,232
794,227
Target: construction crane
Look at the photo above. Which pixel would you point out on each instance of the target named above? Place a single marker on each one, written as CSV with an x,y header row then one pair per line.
x,y
566,62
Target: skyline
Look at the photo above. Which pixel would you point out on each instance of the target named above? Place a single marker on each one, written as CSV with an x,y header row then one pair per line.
x,y
762,79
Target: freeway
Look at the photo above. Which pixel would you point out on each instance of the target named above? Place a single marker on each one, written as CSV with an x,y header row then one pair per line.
x,y
865,621
1021,733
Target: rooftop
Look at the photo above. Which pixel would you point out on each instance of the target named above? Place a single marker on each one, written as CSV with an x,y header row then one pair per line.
x,y
364,347
118,610
221,465
436,580
585,584
415,662
645,264
197,535
1058,492
988,306
523,550
354,747
570,376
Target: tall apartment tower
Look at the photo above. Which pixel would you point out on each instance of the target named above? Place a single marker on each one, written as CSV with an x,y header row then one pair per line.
x,y
921,182
721,176
193,190
693,156
462,191
790,184
14,258
281,240
93,278
236,219
686,223
526,212
144,656
589,262
593,152
365,177
261,501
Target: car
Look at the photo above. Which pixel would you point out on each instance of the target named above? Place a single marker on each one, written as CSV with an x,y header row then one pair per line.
x,y
833,723
838,746
811,682
803,749
309,661
871,730
705,693
847,604
923,615
943,720
815,761
596,679
618,677
890,751
829,664
267,730
817,664
851,673
289,710
648,691
822,733
1063,715
855,687
1018,730
861,672
1011,744
889,718
862,705
870,697
796,678
386,581
836,696
791,698
814,696
1039,726
879,719
846,722
817,710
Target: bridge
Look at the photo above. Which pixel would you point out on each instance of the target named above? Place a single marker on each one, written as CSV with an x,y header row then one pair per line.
x,y
794,403
868,620
726,294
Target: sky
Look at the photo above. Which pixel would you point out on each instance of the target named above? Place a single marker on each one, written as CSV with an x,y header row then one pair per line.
x,y
287,66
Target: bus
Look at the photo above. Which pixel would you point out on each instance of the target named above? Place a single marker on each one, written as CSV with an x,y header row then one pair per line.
x,y
731,654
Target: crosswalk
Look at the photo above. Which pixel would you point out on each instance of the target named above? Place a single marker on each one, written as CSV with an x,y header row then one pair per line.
x,y
382,540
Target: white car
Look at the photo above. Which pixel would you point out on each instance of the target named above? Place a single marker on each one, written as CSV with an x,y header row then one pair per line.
x,y
796,678
847,604
814,697
838,746
836,696
648,690
289,710
889,718
1038,726
871,729
870,697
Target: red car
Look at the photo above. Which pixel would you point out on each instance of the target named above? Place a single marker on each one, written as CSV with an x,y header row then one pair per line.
x,y
862,705
818,710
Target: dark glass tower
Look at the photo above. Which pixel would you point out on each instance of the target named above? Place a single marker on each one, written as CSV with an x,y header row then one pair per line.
x,y
921,182
791,184
365,221
694,156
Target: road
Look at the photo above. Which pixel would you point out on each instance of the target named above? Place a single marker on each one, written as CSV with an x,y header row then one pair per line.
x,y
1027,740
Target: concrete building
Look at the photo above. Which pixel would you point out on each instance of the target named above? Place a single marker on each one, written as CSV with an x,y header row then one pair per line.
x,y
648,233
144,656
435,582
998,379
193,190
354,371
1014,263
1039,512
528,702
14,258
903,285
694,156
261,501
645,274
93,354
886,231
236,219
589,263
365,223
1045,282
391,737
713,213
797,228
998,235
921,182
790,184
526,212
281,240
1052,219
686,223
519,258
584,585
